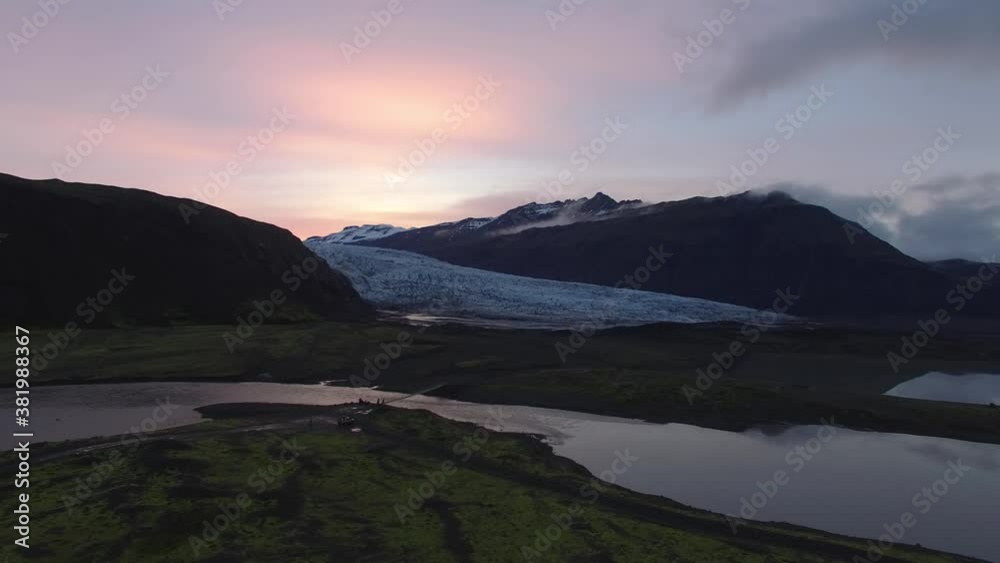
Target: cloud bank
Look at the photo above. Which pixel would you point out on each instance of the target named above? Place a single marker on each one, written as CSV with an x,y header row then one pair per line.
x,y
965,33
953,217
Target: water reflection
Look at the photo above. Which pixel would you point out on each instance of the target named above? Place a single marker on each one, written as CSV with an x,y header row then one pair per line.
x,y
973,388
854,484
851,482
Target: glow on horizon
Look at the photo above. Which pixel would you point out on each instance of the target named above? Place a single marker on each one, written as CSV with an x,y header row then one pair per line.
x,y
357,120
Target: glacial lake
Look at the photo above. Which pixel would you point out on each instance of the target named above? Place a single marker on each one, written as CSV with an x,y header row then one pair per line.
x,y
846,482
973,388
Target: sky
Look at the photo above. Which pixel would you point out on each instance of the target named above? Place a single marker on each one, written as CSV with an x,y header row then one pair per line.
x,y
316,114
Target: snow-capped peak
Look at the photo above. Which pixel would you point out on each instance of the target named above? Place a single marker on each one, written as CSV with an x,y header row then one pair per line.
x,y
355,233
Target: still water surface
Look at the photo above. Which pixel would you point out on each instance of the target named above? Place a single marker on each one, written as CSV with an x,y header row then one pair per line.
x,y
974,388
846,482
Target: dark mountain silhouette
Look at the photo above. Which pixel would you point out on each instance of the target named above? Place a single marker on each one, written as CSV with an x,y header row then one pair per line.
x,y
599,207
960,269
67,242
740,249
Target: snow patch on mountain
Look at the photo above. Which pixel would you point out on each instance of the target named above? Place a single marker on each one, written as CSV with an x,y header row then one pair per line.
x,y
560,213
355,233
410,283
477,223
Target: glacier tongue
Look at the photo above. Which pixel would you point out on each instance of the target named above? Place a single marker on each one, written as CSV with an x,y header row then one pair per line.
x,y
411,283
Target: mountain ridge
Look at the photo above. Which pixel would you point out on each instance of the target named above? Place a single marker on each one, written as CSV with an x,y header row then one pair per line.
x,y
529,215
65,241
737,249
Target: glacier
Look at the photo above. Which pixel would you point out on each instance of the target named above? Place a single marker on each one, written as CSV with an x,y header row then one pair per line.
x,y
423,288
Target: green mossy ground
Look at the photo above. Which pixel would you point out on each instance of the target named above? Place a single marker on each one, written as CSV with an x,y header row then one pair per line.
x,y
339,499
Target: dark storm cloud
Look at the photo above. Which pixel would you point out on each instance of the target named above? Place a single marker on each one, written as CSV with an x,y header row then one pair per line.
x,y
964,32
953,217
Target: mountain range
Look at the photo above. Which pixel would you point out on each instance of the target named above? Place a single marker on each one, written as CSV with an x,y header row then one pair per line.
x,y
531,215
355,233
741,249
62,244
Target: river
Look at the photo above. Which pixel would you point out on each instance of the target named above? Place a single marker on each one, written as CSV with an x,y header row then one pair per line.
x,y
834,479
